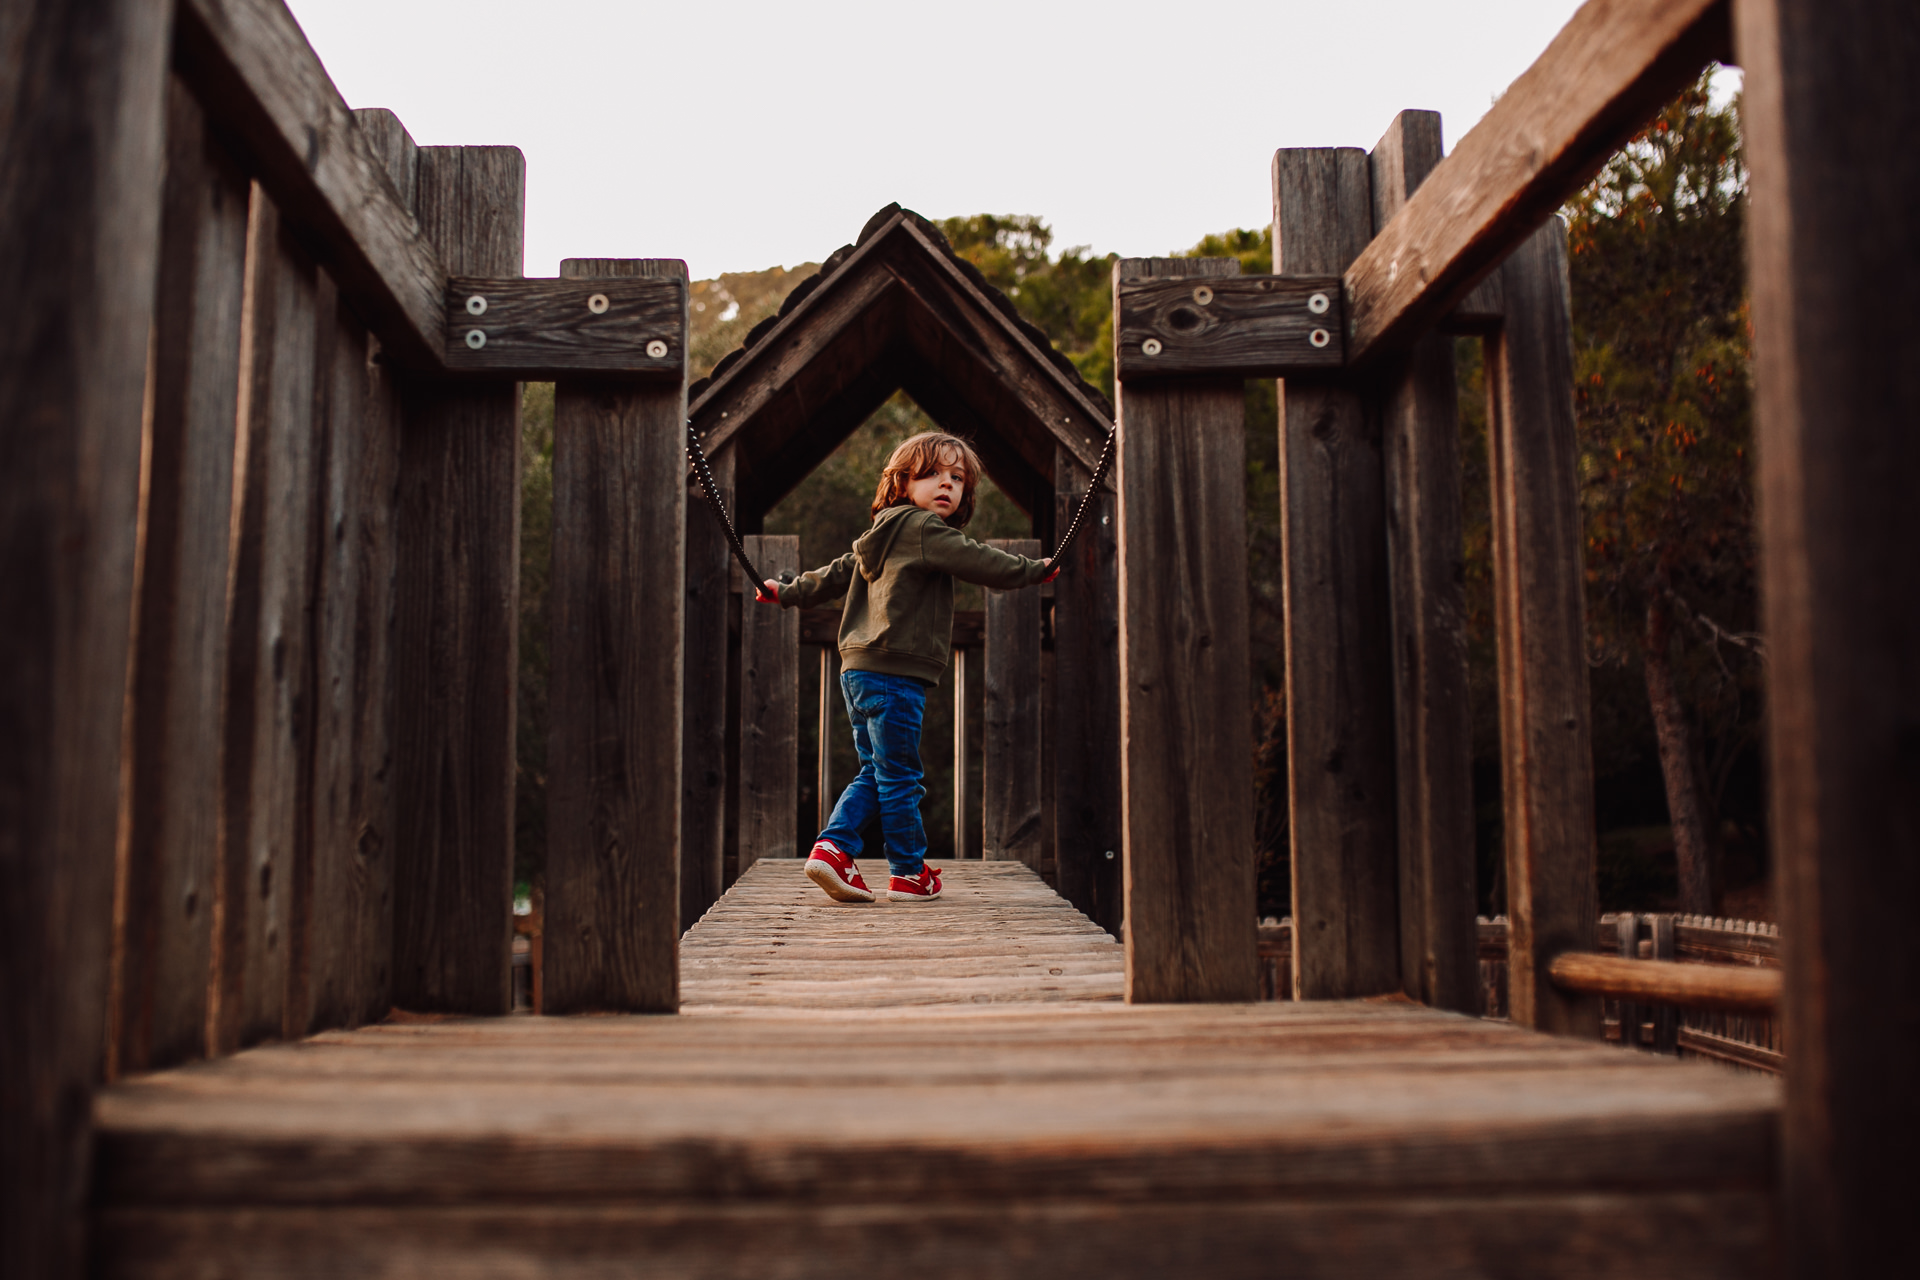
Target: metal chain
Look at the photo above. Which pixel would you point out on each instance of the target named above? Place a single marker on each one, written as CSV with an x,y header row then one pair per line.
x,y
698,457
1086,499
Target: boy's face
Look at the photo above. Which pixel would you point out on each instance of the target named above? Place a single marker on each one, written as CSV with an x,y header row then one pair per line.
x,y
941,489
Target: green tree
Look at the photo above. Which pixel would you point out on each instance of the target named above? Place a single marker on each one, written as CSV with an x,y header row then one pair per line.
x,y
1663,397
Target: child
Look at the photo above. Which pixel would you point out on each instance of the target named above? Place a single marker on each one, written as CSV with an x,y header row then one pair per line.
x,y
895,636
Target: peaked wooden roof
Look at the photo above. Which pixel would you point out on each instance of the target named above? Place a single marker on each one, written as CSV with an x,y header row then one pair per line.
x,y
898,309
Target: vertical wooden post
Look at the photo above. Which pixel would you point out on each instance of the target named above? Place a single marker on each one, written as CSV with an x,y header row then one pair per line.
x,y
1420,430
1540,614
960,806
81,148
165,893
613,834
1010,827
1666,1018
456,638
1626,932
1830,112
769,711
1187,753
704,793
1334,578
1086,692
823,764
286,338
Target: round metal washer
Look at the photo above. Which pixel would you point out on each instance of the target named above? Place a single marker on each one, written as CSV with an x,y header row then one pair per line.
x,y
1151,347
656,350
1319,337
598,304
476,305
1203,295
1318,304
476,338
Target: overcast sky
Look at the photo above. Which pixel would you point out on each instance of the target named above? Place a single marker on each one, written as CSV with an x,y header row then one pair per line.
x,y
745,135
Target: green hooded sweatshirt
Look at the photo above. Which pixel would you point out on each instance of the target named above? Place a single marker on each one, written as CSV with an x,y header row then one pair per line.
x,y
898,581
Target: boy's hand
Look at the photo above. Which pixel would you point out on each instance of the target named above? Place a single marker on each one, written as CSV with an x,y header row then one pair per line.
x,y
769,592
1053,571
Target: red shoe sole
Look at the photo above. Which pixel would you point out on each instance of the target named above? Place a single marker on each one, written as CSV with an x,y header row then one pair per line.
x,y
824,874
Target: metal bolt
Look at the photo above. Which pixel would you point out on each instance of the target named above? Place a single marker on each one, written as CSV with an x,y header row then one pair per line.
x,y
476,339
1151,347
1319,337
598,304
1318,304
656,350
1109,855
1203,295
476,305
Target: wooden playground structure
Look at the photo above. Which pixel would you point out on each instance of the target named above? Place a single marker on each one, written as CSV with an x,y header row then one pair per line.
x,y
259,538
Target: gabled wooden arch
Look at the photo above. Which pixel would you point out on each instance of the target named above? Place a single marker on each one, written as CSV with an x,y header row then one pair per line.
x,y
897,310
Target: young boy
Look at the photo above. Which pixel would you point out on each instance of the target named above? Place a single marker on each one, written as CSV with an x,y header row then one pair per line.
x,y
895,637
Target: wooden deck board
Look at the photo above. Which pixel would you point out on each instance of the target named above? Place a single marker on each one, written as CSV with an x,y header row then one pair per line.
x,y
797,1127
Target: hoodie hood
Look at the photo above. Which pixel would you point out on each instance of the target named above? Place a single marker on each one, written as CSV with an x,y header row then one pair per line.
x,y
871,548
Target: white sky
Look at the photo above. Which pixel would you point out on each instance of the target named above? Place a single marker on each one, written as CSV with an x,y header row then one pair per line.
x,y
748,134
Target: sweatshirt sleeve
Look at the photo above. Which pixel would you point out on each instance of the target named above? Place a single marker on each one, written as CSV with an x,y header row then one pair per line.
x,y
954,552
818,586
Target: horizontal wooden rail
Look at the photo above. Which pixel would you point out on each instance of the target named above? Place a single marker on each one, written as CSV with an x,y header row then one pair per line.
x,y
543,330
1692,986
1241,326
1607,71
252,68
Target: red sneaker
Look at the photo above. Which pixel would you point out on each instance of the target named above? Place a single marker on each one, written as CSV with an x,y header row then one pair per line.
x,y
838,874
924,887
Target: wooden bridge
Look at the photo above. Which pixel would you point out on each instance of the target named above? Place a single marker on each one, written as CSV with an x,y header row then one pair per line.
x,y
259,518
946,1089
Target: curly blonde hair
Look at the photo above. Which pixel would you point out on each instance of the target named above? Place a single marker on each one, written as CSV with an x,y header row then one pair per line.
x,y
918,457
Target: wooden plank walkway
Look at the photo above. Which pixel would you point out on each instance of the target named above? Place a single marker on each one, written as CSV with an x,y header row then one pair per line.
x,y
979,1115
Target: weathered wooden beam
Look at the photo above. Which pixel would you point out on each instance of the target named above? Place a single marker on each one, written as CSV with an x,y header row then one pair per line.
x,y
1546,746
541,330
250,63
1010,817
769,783
82,148
619,523
1338,630
1187,796
1243,326
1420,445
1690,986
457,626
1609,69
1830,112
704,794
165,893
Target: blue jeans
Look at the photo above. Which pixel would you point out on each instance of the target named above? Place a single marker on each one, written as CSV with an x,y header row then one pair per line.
x,y
886,712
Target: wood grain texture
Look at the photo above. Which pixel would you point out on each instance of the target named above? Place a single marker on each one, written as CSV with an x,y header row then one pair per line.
x,y
1610,68
456,638
1335,582
769,781
1187,754
963,811
545,329
613,759
1250,327
165,890
349,930
1420,444
1830,144
704,794
285,340
1370,1135
1010,823
1540,622
1692,986
1086,703
82,150
251,64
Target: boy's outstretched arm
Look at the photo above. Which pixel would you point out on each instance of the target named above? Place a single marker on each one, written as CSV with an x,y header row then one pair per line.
x,y
955,553
816,586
